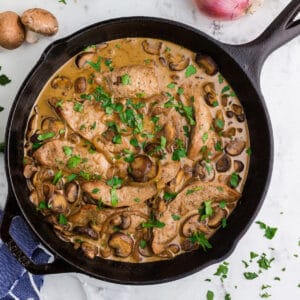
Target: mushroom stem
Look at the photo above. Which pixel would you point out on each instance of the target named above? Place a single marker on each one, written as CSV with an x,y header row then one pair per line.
x,y
31,37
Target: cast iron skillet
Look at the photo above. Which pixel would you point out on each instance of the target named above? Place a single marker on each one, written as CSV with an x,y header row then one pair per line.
x,y
240,65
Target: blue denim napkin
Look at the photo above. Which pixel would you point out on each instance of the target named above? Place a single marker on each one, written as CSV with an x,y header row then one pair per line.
x,y
15,281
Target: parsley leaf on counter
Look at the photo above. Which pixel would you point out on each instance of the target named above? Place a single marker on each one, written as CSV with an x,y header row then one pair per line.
x,y
62,1
269,231
250,275
4,80
1,108
209,295
222,270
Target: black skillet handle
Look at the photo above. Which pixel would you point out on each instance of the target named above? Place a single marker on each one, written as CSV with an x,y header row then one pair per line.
x,y
283,29
12,210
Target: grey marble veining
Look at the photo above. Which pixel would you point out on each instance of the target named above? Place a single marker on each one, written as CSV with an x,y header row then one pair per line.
x,y
280,85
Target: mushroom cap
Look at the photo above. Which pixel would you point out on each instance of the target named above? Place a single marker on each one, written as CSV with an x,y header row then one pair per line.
x,y
40,20
12,33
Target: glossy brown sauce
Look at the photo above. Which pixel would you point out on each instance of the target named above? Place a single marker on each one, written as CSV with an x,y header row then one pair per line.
x,y
123,233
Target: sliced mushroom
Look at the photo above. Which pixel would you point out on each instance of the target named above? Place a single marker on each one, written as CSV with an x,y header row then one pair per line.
x,y
204,171
12,33
82,59
229,114
72,192
61,82
29,170
74,138
52,124
224,100
235,147
34,198
80,85
238,166
229,133
32,124
121,243
154,150
106,252
174,248
169,132
193,224
146,251
207,63
223,164
89,250
187,245
57,203
178,62
163,61
209,93
87,231
237,109
152,47
142,168
215,220
123,221
241,118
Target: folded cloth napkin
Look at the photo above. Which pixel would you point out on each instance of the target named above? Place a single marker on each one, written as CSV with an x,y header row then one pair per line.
x,y
15,281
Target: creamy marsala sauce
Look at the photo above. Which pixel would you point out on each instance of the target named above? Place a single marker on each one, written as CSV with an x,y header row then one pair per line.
x,y
137,150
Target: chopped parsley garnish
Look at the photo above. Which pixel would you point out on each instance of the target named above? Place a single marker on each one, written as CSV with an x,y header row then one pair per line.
x,y
4,80
227,297
1,108
108,63
99,204
222,204
220,78
67,150
169,196
253,255
269,231
199,238
205,137
225,89
130,156
180,91
151,223
265,295
58,176
186,130
206,211
125,79
191,191
137,200
93,126
42,205
62,1
78,106
96,65
250,275
178,154
74,161
134,142
140,95
95,191
85,175
190,70
71,177
224,222
59,103
175,217
34,146
210,295
115,182
219,123
143,244
45,136
117,139
249,151
171,85
218,146
234,179
62,220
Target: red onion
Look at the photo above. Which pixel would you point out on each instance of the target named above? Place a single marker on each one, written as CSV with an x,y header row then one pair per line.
x,y
224,9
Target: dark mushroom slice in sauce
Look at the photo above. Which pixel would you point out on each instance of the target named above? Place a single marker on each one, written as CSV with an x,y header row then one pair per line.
x,y
121,243
207,63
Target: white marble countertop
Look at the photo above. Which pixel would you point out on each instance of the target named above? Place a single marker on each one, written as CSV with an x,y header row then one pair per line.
x,y
280,85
